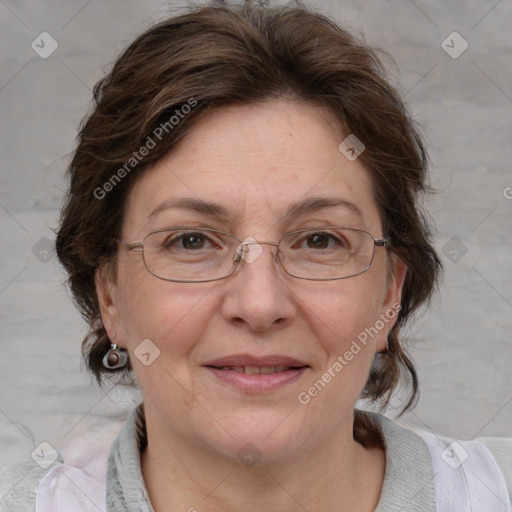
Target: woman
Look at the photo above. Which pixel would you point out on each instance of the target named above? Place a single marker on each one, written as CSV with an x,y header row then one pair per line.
x,y
243,235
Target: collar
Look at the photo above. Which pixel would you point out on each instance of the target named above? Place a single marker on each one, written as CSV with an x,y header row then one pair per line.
x,y
126,490
408,482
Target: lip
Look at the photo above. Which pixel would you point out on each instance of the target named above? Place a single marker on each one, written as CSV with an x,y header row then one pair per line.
x,y
250,360
257,383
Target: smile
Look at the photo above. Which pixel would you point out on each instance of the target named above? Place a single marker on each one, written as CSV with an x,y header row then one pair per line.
x,y
257,369
252,374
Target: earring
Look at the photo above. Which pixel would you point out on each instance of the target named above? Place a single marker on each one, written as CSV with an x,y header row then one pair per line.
x,y
387,343
115,358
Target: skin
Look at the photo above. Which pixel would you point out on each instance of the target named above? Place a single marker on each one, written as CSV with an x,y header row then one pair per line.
x,y
255,161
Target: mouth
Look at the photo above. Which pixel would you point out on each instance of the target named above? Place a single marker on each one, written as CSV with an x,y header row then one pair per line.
x,y
257,374
254,370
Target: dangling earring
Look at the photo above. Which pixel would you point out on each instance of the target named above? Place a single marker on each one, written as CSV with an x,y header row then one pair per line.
x,y
115,358
387,343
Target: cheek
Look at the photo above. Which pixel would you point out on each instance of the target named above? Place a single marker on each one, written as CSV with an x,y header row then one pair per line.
x,y
343,316
346,308
171,315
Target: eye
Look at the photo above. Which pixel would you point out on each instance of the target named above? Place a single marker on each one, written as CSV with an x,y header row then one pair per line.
x,y
189,241
318,241
323,240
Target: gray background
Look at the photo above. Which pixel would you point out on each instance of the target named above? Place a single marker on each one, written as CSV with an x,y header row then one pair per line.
x,y
461,347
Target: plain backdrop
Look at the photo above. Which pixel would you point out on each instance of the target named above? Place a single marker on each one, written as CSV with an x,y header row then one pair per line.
x,y
463,100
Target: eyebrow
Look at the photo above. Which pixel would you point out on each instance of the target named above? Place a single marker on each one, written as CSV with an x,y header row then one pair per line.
x,y
298,209
314,204
197,205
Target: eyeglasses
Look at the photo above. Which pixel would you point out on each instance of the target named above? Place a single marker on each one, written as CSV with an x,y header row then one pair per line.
x,y
194,255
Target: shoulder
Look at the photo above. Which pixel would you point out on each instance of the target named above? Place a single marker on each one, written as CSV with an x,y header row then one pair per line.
x,y
409,478
84,456
501,450
18,486
416,458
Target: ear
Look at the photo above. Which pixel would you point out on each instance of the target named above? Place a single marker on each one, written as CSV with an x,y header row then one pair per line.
x,y
392,299
107,293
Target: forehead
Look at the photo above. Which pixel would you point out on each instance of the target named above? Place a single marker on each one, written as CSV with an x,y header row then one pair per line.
x,y
260,164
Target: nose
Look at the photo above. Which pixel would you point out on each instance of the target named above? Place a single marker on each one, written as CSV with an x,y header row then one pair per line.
x,y
257,294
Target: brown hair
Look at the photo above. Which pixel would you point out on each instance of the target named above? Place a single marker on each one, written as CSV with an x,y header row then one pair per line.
x,y
218,55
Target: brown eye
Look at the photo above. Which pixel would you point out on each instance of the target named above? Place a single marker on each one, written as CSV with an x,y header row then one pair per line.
x,y
318,241
193,240
324,240
188,241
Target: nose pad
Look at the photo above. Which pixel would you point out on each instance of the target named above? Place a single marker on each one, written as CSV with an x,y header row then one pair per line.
x,y
250,250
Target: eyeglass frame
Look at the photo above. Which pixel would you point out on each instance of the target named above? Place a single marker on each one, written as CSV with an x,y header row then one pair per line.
x,y
131,246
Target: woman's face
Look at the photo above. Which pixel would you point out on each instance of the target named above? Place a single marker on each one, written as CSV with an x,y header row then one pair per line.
x,y
256,163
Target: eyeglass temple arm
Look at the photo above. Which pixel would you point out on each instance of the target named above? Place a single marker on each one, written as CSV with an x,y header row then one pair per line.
x,y
381,242
131,246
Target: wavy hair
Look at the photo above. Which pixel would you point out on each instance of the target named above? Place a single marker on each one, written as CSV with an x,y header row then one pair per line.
x,y
220,55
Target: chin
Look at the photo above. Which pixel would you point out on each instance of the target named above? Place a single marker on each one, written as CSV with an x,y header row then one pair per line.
x,y
261,437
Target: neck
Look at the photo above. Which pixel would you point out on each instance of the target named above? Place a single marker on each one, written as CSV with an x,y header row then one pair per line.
x,y
337,475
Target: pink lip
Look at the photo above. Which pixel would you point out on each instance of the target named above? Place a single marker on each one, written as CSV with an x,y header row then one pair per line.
x,y
257,383
249,360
